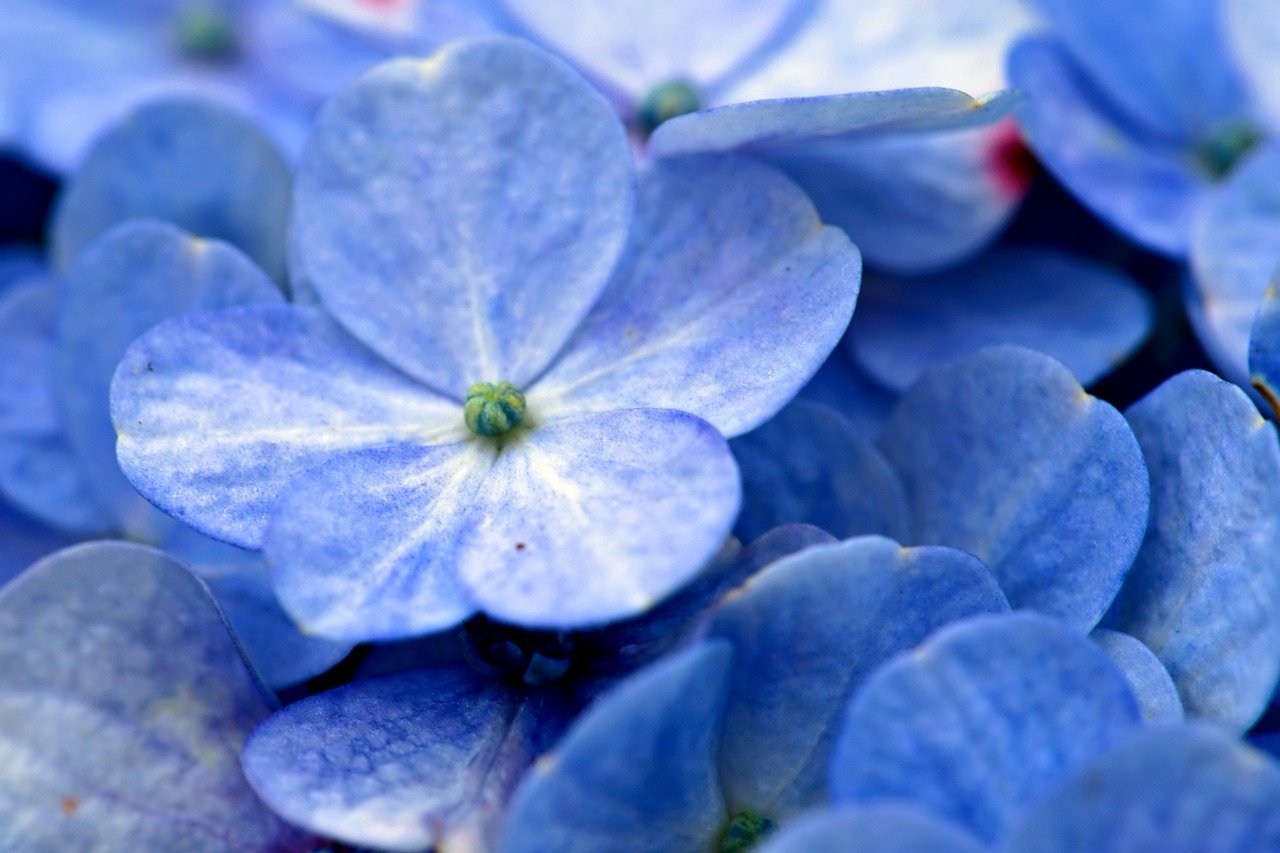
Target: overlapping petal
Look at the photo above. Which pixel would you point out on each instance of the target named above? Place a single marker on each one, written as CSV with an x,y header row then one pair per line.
x,y
888,828
1148,679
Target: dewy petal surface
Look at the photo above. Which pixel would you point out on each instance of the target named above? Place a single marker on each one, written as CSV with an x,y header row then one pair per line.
x,y
731,295
982,719
217,412
198,164
124,702
461,214
1157,696
1003,455
590,519
1204,591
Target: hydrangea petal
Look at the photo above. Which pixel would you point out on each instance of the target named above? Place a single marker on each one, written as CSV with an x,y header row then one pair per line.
x,y
843,386
198,164
1235,251
591,519
1003,455
637,770
124,701
1086,315
1148,679
24,540
217,412
982,719
1173,789
1253,32
1204,591
1264,349
134,276
1147,189
409,209
807,465
888,828
398,763
806,632
730,298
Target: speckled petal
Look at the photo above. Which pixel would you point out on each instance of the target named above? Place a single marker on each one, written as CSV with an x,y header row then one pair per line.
x,y
877,829
1153,688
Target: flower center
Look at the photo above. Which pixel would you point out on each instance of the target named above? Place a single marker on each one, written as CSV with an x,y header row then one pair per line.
x,y
744,831
531,657
493,408
666,101
206,33
1219,153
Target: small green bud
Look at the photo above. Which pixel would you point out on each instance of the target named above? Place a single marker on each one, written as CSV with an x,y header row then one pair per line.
x,y
207,33
666,101
1219,153
744,831
493,408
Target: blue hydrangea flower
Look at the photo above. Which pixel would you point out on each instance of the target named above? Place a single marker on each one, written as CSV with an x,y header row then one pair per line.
x,y
513,398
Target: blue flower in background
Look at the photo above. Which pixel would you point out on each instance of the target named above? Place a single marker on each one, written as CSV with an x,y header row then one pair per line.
x,y
512,402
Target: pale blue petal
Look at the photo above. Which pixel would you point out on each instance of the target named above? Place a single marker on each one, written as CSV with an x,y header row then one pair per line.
x,y
1204,591
198,164
889,828
1003,455
729,299
1148,189
1148,679
217,412
461,214
637,771
841,385
1086,315
806,632
807,465
1252,32
1235,251
124,703
591,519
1171,789
981,720
134,276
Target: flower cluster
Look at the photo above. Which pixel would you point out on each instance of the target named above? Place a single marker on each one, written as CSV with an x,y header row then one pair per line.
x,y
533,425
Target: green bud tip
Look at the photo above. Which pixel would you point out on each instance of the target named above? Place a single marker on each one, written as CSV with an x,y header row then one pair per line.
x,y
666,101
207,33
1222,149
744,831
493,408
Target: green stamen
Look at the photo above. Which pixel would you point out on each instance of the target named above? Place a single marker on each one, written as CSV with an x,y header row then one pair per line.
x,y
207,33
1219,153
745,830
493,408
666,101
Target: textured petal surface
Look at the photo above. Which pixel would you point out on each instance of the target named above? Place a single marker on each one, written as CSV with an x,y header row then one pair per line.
x,y
197,164
1173,789
806,632
1003,455
397,763
217,412
981,720
1148,679
1148,189
592,519
134,276
729,299
637,770
124,702
807,465
1204,591
1086,315
1235,251
878,829
461,214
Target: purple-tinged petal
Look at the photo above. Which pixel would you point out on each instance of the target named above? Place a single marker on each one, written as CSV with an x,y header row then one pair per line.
x,y
889,828
1148,679
729,299
461,214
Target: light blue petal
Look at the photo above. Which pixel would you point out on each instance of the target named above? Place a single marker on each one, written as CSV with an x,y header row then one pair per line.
x,y
1252,33
841,385
1152,687
1264,349
124,702
1235,251
38,470
198,164
1003,455
134,276
399,763
461,214
1164,62
1148,189
1086,315
981,720
729,299
807,465
806,632
1172,789
1204,591
217,412
889,828
761,126
636,772
592,519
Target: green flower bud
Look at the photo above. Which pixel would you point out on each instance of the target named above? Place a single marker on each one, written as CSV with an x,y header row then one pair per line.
x,y
493,408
